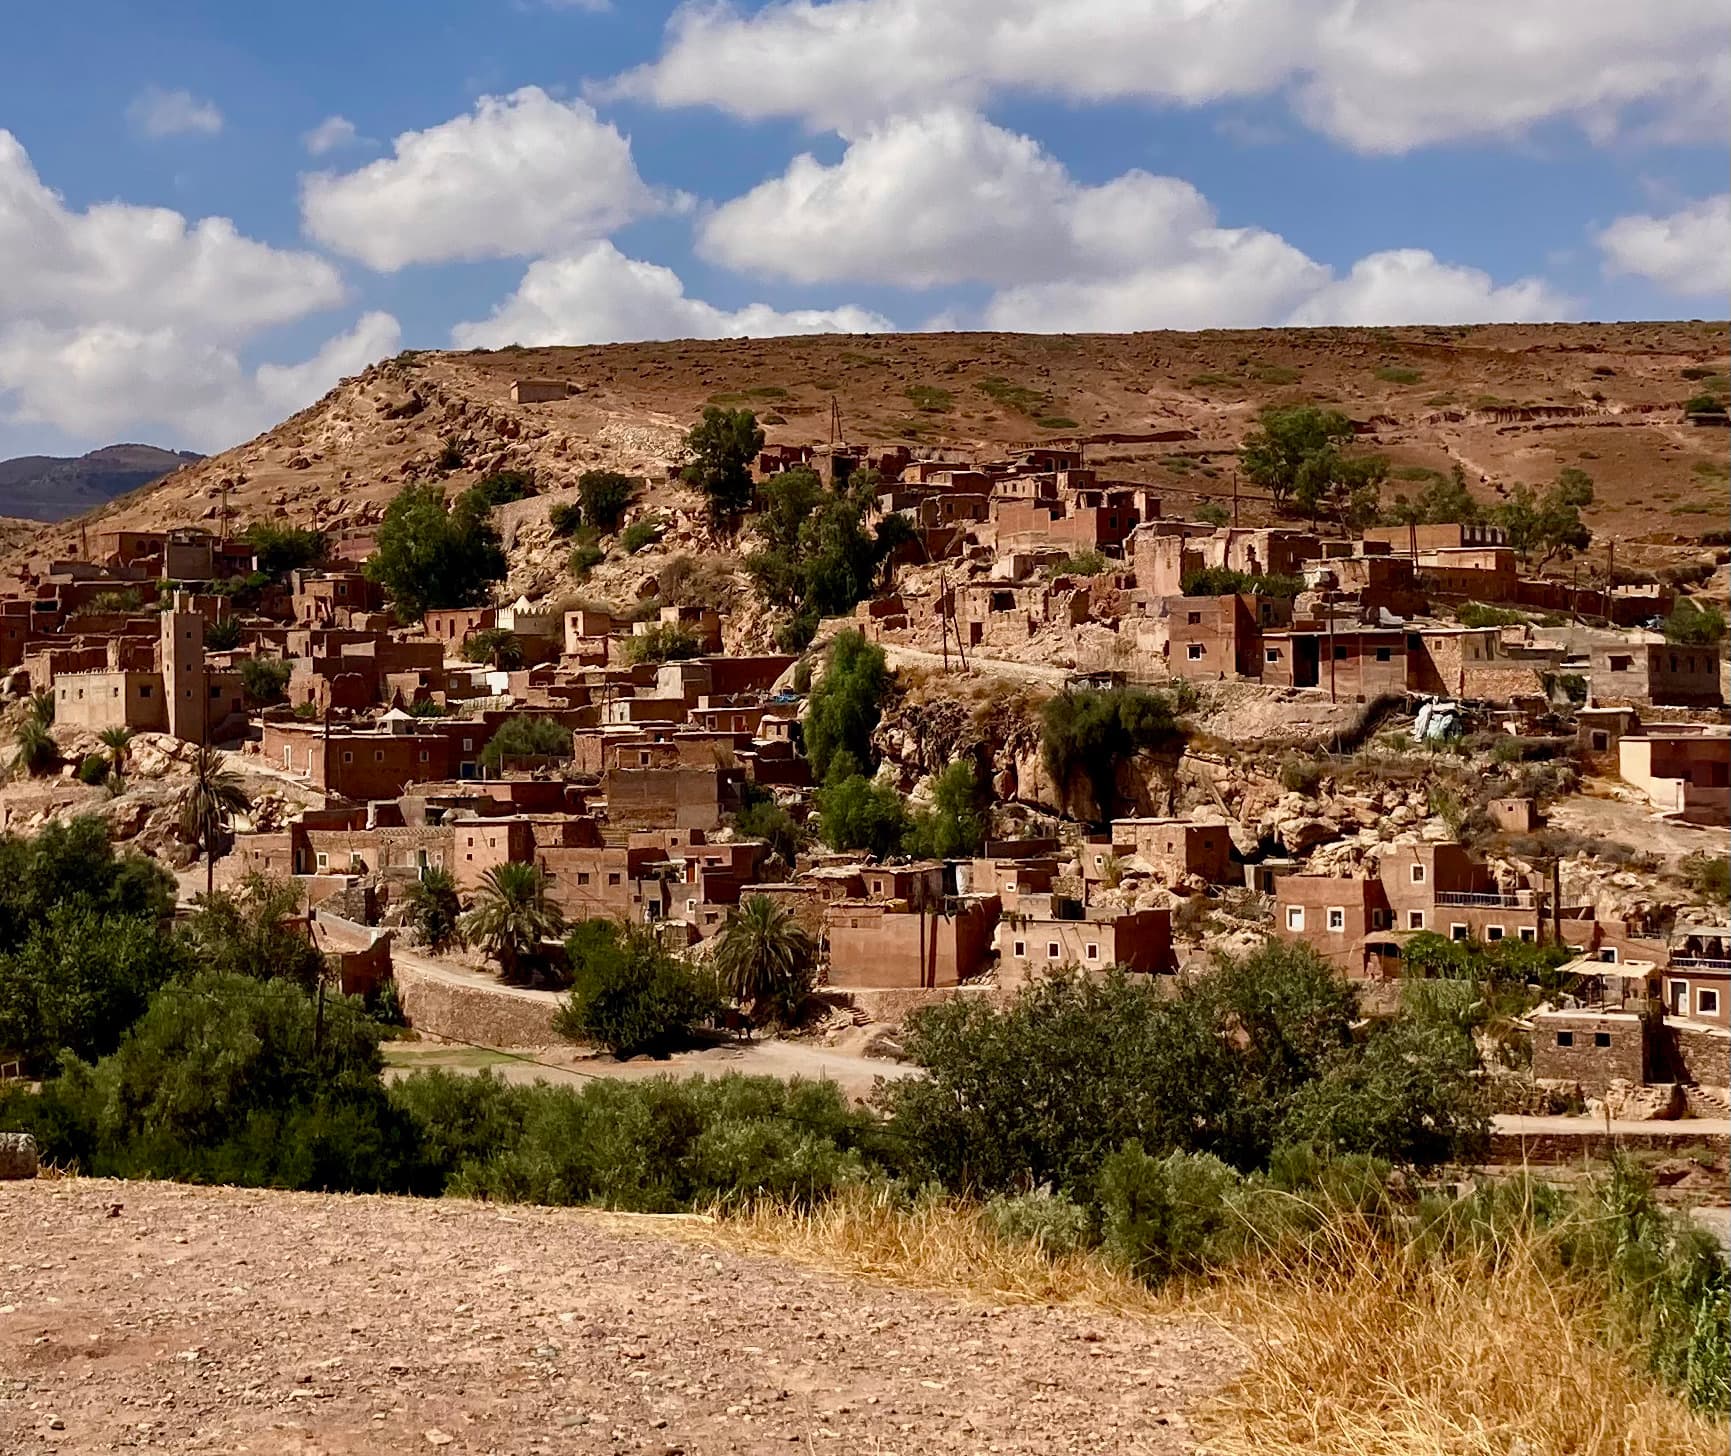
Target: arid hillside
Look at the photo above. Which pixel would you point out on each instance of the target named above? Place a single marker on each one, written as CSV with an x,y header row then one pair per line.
x,y
1508,403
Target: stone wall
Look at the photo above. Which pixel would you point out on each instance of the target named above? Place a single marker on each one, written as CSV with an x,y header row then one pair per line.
x,y
494,1016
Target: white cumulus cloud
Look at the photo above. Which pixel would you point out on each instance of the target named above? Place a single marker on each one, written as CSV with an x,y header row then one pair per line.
x,y
105,381
157,113
1687,252
126,319
330,135
1380,77
522,175
596,295
949,198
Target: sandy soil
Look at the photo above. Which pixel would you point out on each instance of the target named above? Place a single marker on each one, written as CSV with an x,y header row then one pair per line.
x,y
155,1317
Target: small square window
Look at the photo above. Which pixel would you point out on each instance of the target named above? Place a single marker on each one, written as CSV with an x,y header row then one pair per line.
x,y
1019,948
1459,932
1529,933
1706,1003
1336,919
425,756
1340,654
1295,917
1271,655
324,859
1194,619
468,745
613,879
1051,950
1565,1038
1493,932
1195,651
1417,871
348,757
582,878
1601,1038
378,755
1383,654
1093,952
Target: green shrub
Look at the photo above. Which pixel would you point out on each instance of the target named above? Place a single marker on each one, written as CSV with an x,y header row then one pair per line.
x,y
763,818
1708,875
641,534
223,635
1695,624
1477,614
955,825
585,556
282,549
664,642
1170,1215
93,769
1398,374
1079,563
629,994
1054,1222
565,518
1221,581
1299,775
524,736
498,489
264,680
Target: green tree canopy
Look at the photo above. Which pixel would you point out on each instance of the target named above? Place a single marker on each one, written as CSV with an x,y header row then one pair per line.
x,y
258,929
512,916
430,557
1296,454
603,496
527,736
766,961
1085,736
720,451
955,825
857,813
498,489
1695,624
630,994
1442,500
1545,525
281,549
843,709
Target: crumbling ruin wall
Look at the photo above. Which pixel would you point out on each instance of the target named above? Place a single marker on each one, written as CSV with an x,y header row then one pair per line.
x,y
482,1015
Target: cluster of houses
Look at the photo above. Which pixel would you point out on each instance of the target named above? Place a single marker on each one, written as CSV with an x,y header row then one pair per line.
x,y
630,818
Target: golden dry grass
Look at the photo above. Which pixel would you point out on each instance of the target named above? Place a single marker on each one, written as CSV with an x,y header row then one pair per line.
x,y
1369,1353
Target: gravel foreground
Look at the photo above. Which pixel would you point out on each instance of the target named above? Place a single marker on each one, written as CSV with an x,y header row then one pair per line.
x,y
159,1317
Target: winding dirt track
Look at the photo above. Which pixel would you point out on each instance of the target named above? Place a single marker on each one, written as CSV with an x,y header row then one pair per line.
x,y
217,1320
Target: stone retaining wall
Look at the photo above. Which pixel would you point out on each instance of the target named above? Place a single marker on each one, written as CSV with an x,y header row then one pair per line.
x,y
483,1015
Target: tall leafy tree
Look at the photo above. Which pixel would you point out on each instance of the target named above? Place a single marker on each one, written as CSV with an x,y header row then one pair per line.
x,y
1545,525
766,961
720,450
435,912
512,916
429,556
207,807
257,930
845,706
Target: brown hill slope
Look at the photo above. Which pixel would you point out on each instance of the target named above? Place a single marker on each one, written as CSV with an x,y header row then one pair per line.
x,y
1509,403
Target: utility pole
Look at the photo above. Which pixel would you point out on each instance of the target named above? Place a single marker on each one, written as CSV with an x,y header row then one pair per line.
x,y
1235,497
944,617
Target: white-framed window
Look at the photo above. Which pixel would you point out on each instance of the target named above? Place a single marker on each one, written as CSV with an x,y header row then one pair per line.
x,y
1415,920
1051,950
1195,651
1092,952
1295,917
1336,918
324,859
1706,1002
1019,948
1529,933
1457,931
1417,874
1271,654
1493,932
468,745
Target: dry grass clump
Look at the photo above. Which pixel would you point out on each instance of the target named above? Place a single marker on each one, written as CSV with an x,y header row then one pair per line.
x,y
1355,1348
1377,1351
930,1244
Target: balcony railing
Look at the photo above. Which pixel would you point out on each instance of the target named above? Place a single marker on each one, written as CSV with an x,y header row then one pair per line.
x,y
1519,900
1700,963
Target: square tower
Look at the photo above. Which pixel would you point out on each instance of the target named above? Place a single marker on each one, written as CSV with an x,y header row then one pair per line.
x,y
183,676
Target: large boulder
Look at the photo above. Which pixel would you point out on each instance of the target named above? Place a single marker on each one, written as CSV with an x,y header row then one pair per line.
x,y
17,1155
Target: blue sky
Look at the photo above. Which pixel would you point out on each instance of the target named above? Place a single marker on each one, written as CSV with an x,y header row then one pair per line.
x,y
210,212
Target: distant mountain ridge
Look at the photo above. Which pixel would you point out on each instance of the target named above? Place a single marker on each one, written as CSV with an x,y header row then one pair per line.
x,y
54,487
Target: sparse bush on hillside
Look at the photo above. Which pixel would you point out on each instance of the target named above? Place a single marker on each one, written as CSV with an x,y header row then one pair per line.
x,y
1300,775
604,495
564,518
640,534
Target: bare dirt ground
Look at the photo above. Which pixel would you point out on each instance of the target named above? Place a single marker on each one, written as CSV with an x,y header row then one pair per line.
x,y
156,1317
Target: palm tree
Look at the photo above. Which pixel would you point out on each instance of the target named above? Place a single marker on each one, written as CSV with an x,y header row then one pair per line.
x,y
115,740
42,706
37,750
512,917
766,960
434,909
207,806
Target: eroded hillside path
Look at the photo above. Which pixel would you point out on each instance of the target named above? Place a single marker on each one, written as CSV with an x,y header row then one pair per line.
x,y
219,1320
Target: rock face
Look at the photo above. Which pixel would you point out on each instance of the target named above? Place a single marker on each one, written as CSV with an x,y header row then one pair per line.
x,y
17,1155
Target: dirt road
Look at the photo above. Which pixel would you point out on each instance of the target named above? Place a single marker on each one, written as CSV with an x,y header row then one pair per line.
x,y
219,1320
